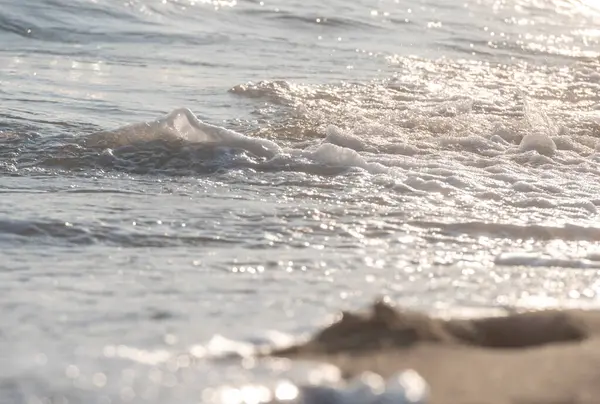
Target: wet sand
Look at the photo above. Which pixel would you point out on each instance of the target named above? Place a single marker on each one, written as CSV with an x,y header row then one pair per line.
x,y
539,357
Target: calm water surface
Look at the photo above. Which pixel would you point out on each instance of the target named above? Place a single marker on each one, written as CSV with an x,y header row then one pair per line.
x,y
183,179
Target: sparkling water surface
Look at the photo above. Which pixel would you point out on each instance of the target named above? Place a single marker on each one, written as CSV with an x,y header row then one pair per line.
x,y
182,182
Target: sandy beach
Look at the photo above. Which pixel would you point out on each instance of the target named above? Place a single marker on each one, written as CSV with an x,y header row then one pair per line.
x,y
545,357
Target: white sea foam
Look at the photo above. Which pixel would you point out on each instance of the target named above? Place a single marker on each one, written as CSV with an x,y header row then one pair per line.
x,y
338,149
540,142
330,154
517,163
182,125
336,136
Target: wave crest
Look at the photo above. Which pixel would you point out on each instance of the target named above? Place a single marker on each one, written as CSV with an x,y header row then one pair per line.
x,y
181,125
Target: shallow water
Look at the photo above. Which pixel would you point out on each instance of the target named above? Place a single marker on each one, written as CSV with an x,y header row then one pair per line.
x,y
286,160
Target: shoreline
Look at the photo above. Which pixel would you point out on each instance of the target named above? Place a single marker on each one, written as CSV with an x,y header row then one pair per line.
x,y
534,357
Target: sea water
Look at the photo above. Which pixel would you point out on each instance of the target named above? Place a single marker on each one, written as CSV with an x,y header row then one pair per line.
x,y
184,182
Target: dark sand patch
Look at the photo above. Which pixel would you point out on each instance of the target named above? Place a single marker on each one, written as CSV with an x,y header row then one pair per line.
x,y
545,357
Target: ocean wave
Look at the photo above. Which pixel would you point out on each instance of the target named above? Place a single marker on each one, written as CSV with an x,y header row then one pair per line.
x,y
52,21
53,232
516,164
529,260
181,125
322,21
514,231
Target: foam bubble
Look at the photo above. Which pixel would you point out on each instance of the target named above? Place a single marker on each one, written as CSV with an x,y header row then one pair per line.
x,y
331,154
540,142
